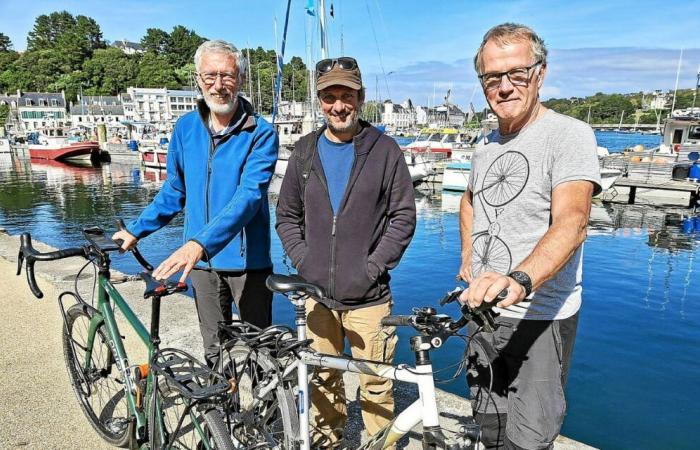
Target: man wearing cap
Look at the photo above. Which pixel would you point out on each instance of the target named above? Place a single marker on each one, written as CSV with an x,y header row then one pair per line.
x,y
346,214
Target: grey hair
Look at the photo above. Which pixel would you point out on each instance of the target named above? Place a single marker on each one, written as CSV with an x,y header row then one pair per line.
x,y
219,46
507,33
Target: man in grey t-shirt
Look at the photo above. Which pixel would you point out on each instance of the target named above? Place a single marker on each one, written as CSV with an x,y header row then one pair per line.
x,y
523,222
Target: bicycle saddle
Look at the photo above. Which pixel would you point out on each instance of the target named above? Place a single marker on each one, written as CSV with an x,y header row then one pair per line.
x,y
285,284
160,288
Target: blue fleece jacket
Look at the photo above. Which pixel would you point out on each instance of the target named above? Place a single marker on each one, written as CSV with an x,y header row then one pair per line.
x,y
222,189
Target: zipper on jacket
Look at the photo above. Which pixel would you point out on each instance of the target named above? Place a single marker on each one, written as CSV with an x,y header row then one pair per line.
x,y
331,285
242,242
331,270
212,148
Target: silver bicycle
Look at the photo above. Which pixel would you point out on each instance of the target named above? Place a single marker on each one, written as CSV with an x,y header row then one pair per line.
x,y
270,406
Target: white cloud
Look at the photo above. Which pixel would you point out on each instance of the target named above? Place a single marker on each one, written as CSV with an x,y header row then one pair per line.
x,y
571,73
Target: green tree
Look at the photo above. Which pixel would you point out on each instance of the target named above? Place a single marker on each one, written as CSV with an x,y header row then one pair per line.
x,y
5,43
185,76
34,71
51,31
156,41
109,72
4,113
182,45
155,71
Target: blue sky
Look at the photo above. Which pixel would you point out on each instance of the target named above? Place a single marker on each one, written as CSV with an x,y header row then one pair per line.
x,y
413,48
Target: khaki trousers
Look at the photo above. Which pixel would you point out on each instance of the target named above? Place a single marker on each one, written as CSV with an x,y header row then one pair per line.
x,y
368,340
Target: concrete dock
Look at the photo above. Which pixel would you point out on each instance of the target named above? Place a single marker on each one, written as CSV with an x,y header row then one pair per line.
x,y
39,409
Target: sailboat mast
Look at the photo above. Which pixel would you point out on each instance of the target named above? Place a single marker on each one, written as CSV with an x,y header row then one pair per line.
x,y
675,89
322,23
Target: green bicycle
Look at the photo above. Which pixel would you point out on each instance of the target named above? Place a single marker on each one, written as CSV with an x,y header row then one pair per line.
x,y
172,402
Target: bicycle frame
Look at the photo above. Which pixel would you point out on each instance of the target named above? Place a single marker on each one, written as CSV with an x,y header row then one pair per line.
x,y
104,314
422,410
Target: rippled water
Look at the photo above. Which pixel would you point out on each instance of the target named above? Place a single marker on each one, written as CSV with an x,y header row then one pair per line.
x,y
633,382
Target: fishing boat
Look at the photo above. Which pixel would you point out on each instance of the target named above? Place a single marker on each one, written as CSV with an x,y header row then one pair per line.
x,y
62,148
154,155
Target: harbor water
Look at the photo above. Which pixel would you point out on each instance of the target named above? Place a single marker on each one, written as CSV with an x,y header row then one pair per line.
x,y
633,381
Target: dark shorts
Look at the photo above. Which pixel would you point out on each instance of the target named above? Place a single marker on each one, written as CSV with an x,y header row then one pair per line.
x,y
216,292
525,385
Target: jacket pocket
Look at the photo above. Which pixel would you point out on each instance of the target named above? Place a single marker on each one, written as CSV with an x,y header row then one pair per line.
x,y
353,281
373,271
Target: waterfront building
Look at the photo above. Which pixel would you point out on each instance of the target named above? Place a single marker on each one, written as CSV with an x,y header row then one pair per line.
x,y
181,102
150,104
94,110
656,100
128,106
42,109
421,116
446,116
398,117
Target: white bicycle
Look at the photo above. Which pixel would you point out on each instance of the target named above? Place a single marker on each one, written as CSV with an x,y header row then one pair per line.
x,y
270,406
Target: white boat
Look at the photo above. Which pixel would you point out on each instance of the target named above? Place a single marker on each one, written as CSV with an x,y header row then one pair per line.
x,y
608,177
419,166
440,142
456,176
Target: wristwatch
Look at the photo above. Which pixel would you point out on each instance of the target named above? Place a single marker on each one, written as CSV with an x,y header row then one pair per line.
x,y
522,279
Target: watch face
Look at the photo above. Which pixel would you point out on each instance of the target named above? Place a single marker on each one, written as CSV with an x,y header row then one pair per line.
x,y
523,279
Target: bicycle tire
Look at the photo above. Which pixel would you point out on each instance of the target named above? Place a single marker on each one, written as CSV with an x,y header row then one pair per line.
x,y
210,420
101,391
272,424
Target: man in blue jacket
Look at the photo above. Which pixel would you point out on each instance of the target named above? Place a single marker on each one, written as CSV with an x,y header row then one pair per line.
x,y
220,162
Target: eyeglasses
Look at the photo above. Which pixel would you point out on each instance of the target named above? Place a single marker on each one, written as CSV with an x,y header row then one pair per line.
x,y
227,78
519,76
344,63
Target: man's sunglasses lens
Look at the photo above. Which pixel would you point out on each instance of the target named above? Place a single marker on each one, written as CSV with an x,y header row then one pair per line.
x,y
326,65
347,63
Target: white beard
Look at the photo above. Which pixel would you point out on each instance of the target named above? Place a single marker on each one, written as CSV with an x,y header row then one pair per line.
x,y
219,108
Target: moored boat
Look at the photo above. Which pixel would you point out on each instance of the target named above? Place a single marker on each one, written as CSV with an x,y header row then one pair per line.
x,y
456,176
62,148
154,156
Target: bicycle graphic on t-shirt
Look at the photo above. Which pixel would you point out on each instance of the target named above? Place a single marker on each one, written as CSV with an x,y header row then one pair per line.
x,y
504,180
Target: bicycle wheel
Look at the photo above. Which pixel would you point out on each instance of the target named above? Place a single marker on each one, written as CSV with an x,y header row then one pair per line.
x,y
505,178
268,422
100,389
166,409
490,254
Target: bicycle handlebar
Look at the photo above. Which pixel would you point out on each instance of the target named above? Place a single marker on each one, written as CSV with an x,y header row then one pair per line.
x,y
28,253
134,251
427,321
397,321
98,245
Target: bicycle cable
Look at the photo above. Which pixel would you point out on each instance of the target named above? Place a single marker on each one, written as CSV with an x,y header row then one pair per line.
x,y
94,282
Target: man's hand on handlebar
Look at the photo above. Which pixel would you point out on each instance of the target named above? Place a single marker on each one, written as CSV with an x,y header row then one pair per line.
x,y
128,239
486,288
183,259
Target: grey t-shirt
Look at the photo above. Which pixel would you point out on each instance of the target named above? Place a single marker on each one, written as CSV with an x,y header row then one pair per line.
x,y
511,181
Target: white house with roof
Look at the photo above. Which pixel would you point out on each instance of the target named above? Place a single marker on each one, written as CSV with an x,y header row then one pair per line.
x,y
38,110
91,110
398,117
130,48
